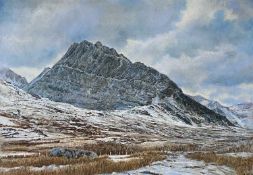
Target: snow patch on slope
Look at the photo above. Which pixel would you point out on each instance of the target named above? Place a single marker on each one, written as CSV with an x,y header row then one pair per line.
x,y
220,109
6,121
13,78
245,112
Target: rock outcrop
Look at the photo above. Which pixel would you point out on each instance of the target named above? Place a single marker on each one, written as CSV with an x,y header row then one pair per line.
x,y
245,112
94,76
220,109
72,153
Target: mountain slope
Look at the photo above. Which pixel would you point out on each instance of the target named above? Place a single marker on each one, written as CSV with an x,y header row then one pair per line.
x,y
220,109
94,76
13,78
40,75
24,117
245,112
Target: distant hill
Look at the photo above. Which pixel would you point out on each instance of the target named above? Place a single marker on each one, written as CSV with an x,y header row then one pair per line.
x,y
9,76
245,112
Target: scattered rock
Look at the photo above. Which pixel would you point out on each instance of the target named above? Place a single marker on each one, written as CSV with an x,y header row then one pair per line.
x,y
72,153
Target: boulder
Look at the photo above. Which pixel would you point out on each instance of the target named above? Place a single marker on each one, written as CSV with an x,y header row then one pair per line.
x,y
72,153
56,152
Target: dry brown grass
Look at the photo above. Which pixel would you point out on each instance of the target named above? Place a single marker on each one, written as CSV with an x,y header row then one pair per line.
x,y
112,148
40,161
101,148
100,165
182,147
120,149
241,148
242,166
18,148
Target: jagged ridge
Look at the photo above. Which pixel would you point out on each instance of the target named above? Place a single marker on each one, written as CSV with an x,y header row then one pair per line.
x,y
94,76
220,109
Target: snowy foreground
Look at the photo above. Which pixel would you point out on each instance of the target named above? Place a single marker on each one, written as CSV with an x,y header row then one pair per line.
x,y
178,165
173,165
43,124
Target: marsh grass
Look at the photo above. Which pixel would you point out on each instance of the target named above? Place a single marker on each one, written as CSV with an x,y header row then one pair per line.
x,y
242,166
39,161
86,167
140,156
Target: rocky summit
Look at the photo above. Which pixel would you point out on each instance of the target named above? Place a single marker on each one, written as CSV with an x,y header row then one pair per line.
x,y
94,76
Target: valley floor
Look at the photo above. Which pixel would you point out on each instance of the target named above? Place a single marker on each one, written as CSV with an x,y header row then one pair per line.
x,y
142,140
142,154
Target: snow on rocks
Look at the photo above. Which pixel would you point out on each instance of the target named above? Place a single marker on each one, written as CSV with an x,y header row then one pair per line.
x,y
36,118
6,121
220,109
72,153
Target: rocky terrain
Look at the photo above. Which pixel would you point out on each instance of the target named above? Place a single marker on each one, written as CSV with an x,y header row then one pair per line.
x,y
11,77
240,115
245,112
29,117
220,109
94,76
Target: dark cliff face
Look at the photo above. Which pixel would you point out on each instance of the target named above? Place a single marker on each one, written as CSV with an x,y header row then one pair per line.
x,y
94,76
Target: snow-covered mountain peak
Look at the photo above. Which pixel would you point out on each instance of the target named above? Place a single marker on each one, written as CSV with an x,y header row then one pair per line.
x,y
245,112
8,75
241,114
94,76
26,113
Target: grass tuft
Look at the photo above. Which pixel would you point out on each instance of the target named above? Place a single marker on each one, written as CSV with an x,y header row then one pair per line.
x,y
242,166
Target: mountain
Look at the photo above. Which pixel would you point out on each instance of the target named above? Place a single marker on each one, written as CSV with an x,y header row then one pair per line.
x,y
220,109
40,75
37,125
9,76
25,117
245,112
94,76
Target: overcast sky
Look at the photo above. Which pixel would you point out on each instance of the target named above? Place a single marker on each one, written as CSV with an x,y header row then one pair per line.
x,y
205,46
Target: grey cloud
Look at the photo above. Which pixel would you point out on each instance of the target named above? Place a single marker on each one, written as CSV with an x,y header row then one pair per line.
x,y
33,32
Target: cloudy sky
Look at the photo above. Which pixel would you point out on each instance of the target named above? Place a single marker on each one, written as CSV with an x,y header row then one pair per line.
x,y
205,46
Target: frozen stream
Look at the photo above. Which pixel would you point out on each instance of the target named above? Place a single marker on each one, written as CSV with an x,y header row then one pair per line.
x,y
180,165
